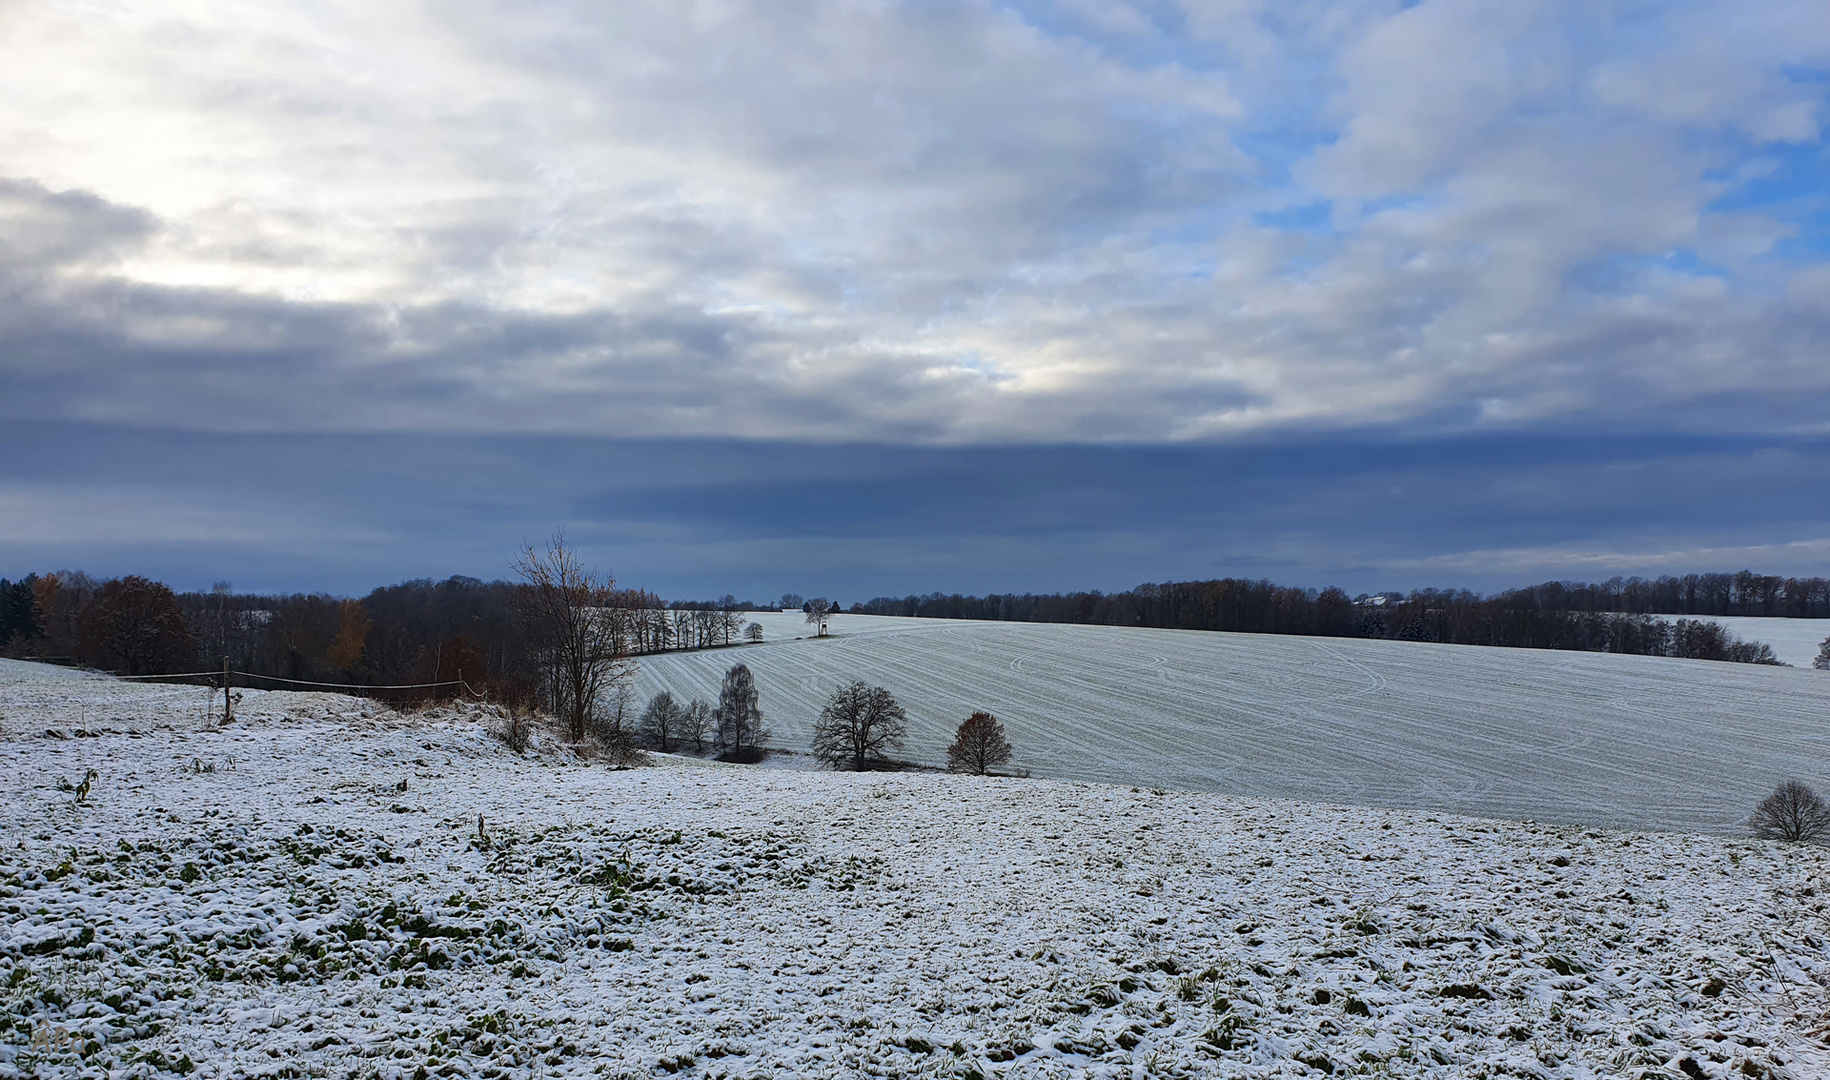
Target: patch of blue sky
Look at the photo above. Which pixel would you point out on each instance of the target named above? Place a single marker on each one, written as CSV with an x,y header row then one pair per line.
x,y
1147,35
1805,74
1279,143
1793,186
1315,218
1281,125
1624,273
1787,173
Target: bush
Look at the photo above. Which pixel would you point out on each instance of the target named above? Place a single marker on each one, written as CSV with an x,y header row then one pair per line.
x,y
514,730
1792,812
979,745
1822,663
612,730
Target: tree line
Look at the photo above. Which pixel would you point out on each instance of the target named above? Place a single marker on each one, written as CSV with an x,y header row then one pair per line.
x,y
466,631
461,632
1617,616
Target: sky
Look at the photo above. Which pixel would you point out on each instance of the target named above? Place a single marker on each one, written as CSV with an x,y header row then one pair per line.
x,y
869,298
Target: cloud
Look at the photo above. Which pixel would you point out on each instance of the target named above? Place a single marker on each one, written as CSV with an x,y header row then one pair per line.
x,y
951,223
695,517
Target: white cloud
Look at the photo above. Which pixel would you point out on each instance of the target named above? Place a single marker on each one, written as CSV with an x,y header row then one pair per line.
x,y
917,222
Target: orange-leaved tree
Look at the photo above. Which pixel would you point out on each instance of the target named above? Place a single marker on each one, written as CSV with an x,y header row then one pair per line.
x,y
979,745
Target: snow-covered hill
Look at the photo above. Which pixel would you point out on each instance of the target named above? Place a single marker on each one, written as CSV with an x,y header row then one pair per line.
x,y
1584,738
321,890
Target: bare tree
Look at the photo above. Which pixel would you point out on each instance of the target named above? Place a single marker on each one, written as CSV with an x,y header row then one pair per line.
x,y
858,723
613,721
819,613
1792,812
728,617
696,724
979,745
563,607
662,720
59,600
753,633
740,722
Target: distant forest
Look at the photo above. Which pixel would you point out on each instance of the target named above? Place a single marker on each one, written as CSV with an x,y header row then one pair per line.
x,y
461,628
418,632
1613,616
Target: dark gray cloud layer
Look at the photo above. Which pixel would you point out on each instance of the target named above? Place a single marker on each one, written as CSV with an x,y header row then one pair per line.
x,y
692,517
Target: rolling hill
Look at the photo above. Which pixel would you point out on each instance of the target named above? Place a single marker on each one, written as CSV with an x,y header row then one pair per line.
x,y
1630,741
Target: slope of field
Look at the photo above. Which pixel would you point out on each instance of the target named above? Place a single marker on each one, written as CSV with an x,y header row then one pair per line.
x,y
322,890
1643,742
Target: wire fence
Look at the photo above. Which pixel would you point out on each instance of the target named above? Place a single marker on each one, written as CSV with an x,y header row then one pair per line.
x,y
216,678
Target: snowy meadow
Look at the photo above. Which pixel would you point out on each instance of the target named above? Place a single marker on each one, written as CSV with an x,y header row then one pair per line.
x,y
329,889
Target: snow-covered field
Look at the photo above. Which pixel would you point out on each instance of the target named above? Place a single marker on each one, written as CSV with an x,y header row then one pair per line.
x,y
1586,738
327,890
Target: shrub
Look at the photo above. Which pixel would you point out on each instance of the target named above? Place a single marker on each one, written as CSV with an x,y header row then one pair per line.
x,y
514,730
1792,812
612,730
1822,663
979,745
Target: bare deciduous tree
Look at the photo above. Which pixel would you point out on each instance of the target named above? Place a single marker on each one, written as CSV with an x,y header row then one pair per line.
x,y
753,633
59,600
1792,812
662,720
858,723
819,614
728,618
740,722
979,745
696,724
563,607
